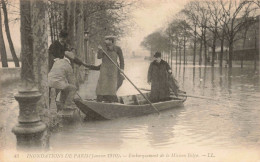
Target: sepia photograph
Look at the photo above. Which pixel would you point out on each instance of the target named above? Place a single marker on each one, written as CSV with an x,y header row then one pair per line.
x,y
129,80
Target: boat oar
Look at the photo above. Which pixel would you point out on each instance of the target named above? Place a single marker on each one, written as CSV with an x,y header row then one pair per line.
x,y
187,95
130,80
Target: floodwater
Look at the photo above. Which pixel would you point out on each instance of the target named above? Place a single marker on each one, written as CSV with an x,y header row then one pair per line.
x,y
230,121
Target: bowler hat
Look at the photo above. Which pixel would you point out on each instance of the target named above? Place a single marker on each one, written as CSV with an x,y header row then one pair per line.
x,y
157,54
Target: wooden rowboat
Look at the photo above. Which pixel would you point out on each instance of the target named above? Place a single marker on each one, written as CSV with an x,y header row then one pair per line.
x,y
129,106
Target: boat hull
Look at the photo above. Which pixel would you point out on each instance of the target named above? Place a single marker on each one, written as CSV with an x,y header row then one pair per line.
x,y
99,110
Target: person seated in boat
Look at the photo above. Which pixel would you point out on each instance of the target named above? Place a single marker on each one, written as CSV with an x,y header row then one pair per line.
x,y
61,77
158,74
108,83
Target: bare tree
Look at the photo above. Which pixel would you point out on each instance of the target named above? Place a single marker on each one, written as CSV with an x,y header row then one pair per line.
x,y
192,18
197,13
2,45
8,35
236,21
214,26
176,30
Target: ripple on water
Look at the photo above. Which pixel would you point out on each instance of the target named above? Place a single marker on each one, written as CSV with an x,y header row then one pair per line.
x,y
229,122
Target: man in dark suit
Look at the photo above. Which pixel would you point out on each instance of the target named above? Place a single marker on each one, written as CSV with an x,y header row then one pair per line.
x,y
158,75
57,48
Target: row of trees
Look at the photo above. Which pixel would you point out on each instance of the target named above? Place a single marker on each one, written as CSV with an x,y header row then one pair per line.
x,y
201,25
3,7
96,18
41,22
100,18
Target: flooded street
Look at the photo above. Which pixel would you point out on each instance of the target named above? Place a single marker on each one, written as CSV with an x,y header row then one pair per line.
x,y
230,121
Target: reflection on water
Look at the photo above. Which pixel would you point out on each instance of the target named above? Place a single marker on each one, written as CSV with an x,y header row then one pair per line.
x,y
231,121
151,130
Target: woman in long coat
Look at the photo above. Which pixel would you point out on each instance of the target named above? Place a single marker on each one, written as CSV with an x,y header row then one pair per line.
x,y
158,75
108,79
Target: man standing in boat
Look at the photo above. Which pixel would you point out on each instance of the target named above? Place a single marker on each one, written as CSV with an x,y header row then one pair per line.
x,y
158,75
109,81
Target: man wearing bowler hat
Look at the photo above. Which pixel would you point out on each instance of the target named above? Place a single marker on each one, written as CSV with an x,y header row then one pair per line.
x,y
158,75
57,48
110,78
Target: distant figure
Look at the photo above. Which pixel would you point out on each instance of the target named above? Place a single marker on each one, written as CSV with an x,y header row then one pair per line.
x,y
158,75
57,48
109,79
61,77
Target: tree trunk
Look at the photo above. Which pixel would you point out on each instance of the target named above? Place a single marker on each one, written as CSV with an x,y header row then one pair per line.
x,y
55,23
195,45
244,44
8,35
51,23
200,56
256,54
27,72
231,46
70,22
205,48
180,53
177,46
214,45
184,50
230,54
2,45
40,54
171,51
213,50
221,50
80,71
65,14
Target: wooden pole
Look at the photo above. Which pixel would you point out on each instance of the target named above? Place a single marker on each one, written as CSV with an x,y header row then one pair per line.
x,y
187,95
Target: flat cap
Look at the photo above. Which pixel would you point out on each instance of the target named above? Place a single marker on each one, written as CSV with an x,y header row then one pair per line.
x,y
110,37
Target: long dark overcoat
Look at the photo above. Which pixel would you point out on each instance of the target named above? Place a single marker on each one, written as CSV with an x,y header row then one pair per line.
x,y
158,76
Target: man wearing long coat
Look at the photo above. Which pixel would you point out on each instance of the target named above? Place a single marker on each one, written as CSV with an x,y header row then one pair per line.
x,y
158,75
108,79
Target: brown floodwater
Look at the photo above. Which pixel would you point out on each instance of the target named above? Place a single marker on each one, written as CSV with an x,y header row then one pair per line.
x,y
232,120
229,122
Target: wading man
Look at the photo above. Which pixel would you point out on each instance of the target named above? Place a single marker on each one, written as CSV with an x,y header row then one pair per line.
x,y
109,81
158,75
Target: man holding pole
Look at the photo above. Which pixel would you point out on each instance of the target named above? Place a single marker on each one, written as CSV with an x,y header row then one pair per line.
x,y
108,82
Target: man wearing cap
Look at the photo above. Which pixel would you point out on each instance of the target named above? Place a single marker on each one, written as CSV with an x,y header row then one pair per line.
x,y
158,74
61,77
108,82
